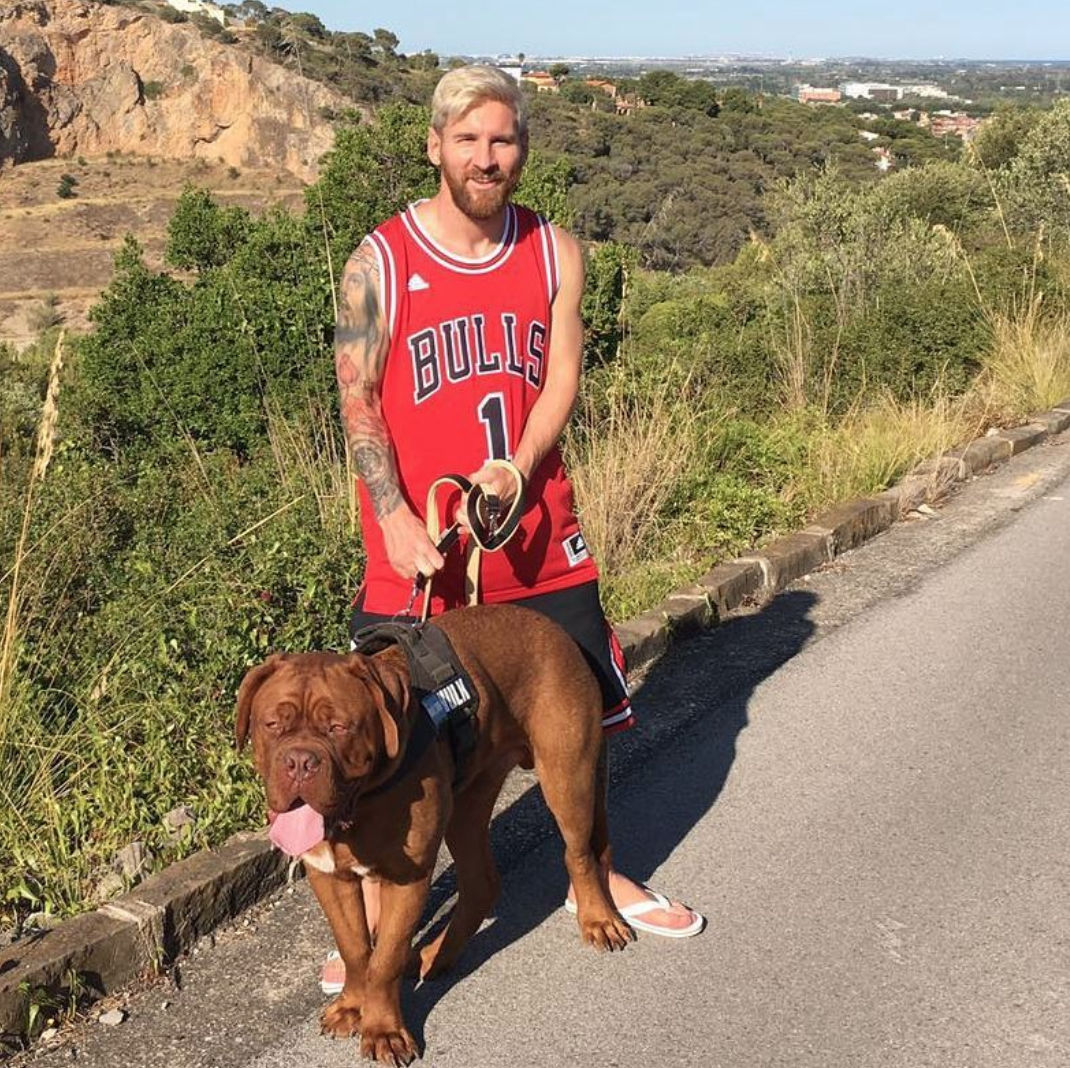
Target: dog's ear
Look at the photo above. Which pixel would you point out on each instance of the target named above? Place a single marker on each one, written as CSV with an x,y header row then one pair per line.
x,y
390,690
254,679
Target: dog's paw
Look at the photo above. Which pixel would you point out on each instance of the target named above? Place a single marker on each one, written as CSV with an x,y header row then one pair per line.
x,y
341,1019
611,933
392,1046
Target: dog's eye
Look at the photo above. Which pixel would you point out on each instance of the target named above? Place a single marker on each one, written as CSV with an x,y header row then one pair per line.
x,y
271,724
339,728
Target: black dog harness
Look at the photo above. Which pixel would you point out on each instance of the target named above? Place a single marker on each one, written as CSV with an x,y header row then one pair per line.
x,y
440,685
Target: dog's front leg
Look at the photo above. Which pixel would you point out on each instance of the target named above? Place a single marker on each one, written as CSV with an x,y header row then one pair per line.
x,y
343,904
384,1037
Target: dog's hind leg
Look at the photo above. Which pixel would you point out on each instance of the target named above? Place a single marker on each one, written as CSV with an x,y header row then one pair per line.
x,y
478,881
575,794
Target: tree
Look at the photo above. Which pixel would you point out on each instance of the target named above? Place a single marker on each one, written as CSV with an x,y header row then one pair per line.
x,y
559,70
386,43
309,25
374,170
1000,138
1035,182
201,234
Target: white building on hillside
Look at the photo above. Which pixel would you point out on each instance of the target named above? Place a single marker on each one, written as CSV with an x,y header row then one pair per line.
x,y
203,7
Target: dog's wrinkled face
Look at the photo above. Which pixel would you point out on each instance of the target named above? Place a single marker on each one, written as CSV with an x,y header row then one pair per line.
x,y
322,724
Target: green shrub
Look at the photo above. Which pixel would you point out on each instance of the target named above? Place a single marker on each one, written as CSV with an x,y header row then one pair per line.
x,y
65,189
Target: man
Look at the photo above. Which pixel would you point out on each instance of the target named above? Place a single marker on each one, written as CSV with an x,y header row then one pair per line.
x,y
459,341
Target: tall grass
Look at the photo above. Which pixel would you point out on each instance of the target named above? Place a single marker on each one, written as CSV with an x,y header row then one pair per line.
x,y
110,718
1028,366
628,457
882,439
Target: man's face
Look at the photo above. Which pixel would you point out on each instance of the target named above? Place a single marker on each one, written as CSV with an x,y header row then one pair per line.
x,y
480,156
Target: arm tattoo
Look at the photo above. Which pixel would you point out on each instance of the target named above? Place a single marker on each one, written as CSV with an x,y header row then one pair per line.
x,y
360,348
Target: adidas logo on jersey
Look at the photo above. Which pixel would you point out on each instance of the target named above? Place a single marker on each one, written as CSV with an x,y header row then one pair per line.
x,y
576,549
417,283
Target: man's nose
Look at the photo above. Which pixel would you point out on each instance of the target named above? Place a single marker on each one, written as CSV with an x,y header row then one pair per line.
x,y
483,157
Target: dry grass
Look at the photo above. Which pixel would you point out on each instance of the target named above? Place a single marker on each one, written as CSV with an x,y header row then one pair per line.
x,y
310,458
42,457
626,466
873,446
1028,366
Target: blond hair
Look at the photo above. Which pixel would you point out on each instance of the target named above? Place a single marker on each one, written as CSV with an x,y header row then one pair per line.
x,y
460,90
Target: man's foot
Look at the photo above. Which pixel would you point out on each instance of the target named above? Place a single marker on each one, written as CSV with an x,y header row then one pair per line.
x,y
646,910
333,973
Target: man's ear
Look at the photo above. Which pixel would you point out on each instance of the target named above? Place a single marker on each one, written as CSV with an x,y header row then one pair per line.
x,y
434,146
390,690
252,682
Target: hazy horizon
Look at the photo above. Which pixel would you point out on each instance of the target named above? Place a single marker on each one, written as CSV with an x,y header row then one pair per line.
x,y
913,31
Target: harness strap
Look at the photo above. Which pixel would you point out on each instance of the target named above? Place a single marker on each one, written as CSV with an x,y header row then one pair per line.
x,y
489,533
442,688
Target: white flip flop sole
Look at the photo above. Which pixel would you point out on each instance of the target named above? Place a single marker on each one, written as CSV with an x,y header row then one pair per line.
x,y
633,914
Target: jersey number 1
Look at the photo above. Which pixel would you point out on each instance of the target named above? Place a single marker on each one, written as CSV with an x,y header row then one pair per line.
x,y
492,416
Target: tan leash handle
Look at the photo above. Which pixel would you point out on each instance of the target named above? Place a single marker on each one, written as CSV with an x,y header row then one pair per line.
x,y
490,531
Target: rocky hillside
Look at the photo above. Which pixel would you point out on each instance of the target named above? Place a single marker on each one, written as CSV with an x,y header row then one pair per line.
x,y
82,78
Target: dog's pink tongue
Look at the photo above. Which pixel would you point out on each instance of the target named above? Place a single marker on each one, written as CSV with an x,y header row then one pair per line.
x,y
297,831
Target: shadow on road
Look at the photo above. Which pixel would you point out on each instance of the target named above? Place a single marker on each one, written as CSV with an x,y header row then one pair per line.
x,y
693,704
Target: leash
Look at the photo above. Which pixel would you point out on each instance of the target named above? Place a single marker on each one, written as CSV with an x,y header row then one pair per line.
x,y
490,530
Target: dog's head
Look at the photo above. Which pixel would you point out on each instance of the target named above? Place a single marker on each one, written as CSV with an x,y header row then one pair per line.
x,y
322,725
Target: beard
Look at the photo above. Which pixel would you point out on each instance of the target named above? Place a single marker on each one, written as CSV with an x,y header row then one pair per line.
x,y
481,201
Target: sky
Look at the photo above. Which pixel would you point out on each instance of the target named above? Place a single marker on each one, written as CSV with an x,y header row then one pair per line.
x,y
907,29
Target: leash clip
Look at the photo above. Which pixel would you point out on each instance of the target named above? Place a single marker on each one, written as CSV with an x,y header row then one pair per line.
x,y
493,505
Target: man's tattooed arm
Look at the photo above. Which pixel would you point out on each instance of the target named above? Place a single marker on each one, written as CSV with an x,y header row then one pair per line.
x,y
360,348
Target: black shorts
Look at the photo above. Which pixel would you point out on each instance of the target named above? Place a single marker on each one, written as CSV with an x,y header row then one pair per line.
x,y
578,611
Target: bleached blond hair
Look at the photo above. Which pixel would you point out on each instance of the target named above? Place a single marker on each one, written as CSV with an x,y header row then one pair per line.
x,y
460,90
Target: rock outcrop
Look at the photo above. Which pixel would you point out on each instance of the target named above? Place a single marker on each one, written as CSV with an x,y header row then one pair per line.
x,y
78,77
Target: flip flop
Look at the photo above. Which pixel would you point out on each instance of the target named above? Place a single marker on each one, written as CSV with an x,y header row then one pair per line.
x,y
633,914
328,984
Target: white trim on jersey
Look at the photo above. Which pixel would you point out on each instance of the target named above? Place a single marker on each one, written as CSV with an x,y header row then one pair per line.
x,y
622,716
544,225
550,256
388,279
556,258
461,264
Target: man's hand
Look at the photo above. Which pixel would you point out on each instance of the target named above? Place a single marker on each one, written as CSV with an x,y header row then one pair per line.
x,y
494,480
408,548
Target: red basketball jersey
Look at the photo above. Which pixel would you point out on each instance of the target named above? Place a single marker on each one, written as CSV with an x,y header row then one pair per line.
x,y
469,347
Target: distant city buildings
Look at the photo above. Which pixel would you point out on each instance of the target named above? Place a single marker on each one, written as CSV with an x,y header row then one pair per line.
x,y
951,123
809,94
543,81
602,86
883,93
876,91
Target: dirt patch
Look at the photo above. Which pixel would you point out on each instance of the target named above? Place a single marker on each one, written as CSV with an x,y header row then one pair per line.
x,y
66,246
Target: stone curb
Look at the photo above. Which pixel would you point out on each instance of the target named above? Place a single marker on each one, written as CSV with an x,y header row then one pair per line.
x,y
142,931
136,934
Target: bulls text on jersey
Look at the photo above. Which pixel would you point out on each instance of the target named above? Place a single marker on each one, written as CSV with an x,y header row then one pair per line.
x,y
458,348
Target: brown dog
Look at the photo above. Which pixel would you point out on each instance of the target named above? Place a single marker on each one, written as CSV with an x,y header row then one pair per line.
x,y
332,730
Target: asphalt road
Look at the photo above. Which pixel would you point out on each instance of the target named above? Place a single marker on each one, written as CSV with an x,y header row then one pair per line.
x,y
866,788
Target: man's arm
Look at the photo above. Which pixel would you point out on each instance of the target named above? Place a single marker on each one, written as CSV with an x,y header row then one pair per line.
x,y
550,413
361,344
